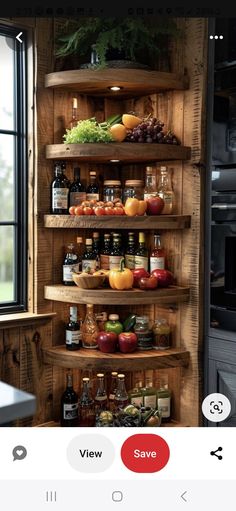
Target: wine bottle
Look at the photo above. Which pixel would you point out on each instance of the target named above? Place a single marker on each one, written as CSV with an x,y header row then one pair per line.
x,y
69,405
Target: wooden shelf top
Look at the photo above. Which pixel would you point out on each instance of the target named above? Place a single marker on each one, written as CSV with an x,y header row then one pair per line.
x,y
133,82
104,296
93,359
117,222
126,152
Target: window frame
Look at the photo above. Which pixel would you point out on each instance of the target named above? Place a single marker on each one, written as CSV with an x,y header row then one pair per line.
x,y
20,221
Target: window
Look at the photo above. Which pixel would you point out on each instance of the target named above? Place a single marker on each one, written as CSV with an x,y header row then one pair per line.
x,y
13,172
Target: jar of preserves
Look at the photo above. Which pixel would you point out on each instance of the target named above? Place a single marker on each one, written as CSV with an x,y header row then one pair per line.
x,y
112,190
161,334
133,188
144,333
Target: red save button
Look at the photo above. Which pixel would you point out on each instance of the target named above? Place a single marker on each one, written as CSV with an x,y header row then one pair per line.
x,y
145,453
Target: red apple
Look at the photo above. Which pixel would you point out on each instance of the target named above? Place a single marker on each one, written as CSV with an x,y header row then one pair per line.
x,y
165,277
155,205
148,282
128,342
107,341
138,274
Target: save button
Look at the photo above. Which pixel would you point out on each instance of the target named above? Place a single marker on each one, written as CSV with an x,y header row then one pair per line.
x,y
145,453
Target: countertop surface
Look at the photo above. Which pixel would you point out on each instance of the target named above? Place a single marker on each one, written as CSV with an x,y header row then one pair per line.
x,y
15,403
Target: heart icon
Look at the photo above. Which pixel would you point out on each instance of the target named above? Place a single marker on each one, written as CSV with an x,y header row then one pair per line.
x,y
19,453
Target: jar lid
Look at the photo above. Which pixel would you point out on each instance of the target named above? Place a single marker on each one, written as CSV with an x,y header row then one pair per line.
x,y
86,379
121,376
134,182
113,317
114,373
114,183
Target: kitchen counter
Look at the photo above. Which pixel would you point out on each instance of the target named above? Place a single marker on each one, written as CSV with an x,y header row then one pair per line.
x,y
15,404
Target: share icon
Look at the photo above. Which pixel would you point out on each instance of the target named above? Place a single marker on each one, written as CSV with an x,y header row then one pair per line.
x,y
214,453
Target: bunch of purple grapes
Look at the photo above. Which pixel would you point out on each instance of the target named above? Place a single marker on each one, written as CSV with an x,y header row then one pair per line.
x,y
151,130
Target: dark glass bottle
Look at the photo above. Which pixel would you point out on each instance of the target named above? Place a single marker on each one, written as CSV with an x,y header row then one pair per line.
x,y
130,252
96,248
101,395
71,264
116,253
77,193
59,192
73,331
92,192
89,260
86,406
69,405
141,255
105,252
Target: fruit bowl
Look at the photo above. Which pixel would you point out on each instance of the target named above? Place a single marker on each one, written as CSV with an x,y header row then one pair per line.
x,y
86,281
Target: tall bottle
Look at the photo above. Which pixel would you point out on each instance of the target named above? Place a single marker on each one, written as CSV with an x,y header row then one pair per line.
x,y
105,252
112,392
163,394
74,114
92,192
116,253
77,193
101,395
59,192
80,250
89,260
96,248
89,329
157,256
141,255
69,405
86,406
165,190
130,252
73,331
71,264
135,394
149,394
150,189
121,395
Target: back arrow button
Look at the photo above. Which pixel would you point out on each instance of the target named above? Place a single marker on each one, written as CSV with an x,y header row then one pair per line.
x,y
18,37
183,496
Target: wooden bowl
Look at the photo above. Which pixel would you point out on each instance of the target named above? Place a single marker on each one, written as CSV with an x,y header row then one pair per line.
x,y
88,281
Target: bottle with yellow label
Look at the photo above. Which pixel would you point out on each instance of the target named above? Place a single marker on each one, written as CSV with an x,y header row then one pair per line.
x,y
141,254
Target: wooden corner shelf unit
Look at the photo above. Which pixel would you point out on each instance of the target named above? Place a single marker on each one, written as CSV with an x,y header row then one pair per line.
x,y
117,222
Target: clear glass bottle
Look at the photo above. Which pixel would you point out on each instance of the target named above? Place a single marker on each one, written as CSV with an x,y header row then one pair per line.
x,y
73,331
74,115
71,264
112,392
101,395
59,192
158,255
116,253
149,394
141,255
89,260
89,329
92,192
161,334
163,394
77,193
130,252
69,404
150,189
105,252
86,406
121,395
135,394
165,190
144,333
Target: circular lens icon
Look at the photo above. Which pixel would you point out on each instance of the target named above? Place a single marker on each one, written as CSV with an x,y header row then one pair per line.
x,y
19,453
216,407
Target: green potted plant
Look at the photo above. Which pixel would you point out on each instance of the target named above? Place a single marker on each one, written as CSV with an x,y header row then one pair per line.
x,y
132,41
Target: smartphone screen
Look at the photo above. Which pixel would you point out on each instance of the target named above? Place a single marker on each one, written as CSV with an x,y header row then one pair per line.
x,y
117,279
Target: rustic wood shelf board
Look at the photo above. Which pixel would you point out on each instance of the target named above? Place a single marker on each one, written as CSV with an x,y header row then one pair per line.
x,y
117,222
92,359
133,82
72,294
126,152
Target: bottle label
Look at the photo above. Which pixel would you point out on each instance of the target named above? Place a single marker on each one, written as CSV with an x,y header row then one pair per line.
x,y
68,269
163,405
104,262
70,411
141,262
60,198
76,198
89,264
157,263
114,261
150,401
73,337
129,261
136,401
92,196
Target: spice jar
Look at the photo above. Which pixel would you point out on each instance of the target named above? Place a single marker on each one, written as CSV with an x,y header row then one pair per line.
x,y
112,190
133,188
144,333
161,334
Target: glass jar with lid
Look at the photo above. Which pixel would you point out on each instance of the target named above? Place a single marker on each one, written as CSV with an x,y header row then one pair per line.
x,y
161,334
112,190
133,188
144,333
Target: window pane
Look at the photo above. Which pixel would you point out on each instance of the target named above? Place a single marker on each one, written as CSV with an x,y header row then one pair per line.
x,y
6,85
7,201
7,264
